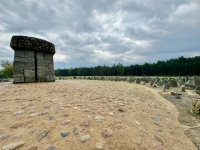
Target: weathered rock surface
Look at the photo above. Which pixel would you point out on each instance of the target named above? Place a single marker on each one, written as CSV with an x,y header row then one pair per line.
x,y
64,134
13,146
99,118
42,134
5,137
157,118
33,60
51,117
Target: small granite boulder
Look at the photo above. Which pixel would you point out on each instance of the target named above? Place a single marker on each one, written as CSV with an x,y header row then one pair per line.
x,y
64,134
106,132
84,138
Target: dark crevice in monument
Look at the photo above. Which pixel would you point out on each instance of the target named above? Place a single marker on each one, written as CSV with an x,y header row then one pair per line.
x,y
36,73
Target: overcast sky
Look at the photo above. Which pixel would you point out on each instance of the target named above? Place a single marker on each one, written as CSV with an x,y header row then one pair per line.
x,y
104,32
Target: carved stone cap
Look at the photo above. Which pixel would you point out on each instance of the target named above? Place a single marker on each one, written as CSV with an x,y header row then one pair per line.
x,y
31,43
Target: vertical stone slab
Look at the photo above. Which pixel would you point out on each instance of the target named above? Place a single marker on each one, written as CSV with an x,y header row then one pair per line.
x,y
49,67
18,78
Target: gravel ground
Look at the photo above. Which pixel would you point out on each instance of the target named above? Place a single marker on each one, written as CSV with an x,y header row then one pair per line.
x,y
82,114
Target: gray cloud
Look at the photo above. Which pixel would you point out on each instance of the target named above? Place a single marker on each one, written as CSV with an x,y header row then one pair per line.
x,y
89,33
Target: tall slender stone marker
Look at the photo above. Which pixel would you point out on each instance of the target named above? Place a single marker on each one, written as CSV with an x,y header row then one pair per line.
x,y
33,60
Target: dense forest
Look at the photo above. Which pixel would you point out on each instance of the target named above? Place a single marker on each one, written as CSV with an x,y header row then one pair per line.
x,y
173,67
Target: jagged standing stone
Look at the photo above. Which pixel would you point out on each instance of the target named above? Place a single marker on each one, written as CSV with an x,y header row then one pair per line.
x,y
177,96
196,106
163,89
167,86
183,88
154,85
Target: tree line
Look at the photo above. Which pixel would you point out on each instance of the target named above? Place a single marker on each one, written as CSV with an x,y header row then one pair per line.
x,y
173,67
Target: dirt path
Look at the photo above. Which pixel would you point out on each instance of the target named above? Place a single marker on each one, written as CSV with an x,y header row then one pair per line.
x,y
138,116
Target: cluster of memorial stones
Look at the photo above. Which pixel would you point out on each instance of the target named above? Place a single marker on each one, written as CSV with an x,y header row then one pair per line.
x,y
166,83
33,59
4,80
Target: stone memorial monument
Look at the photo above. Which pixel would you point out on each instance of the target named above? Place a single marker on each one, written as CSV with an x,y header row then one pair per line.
x,y
192,82
33,60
